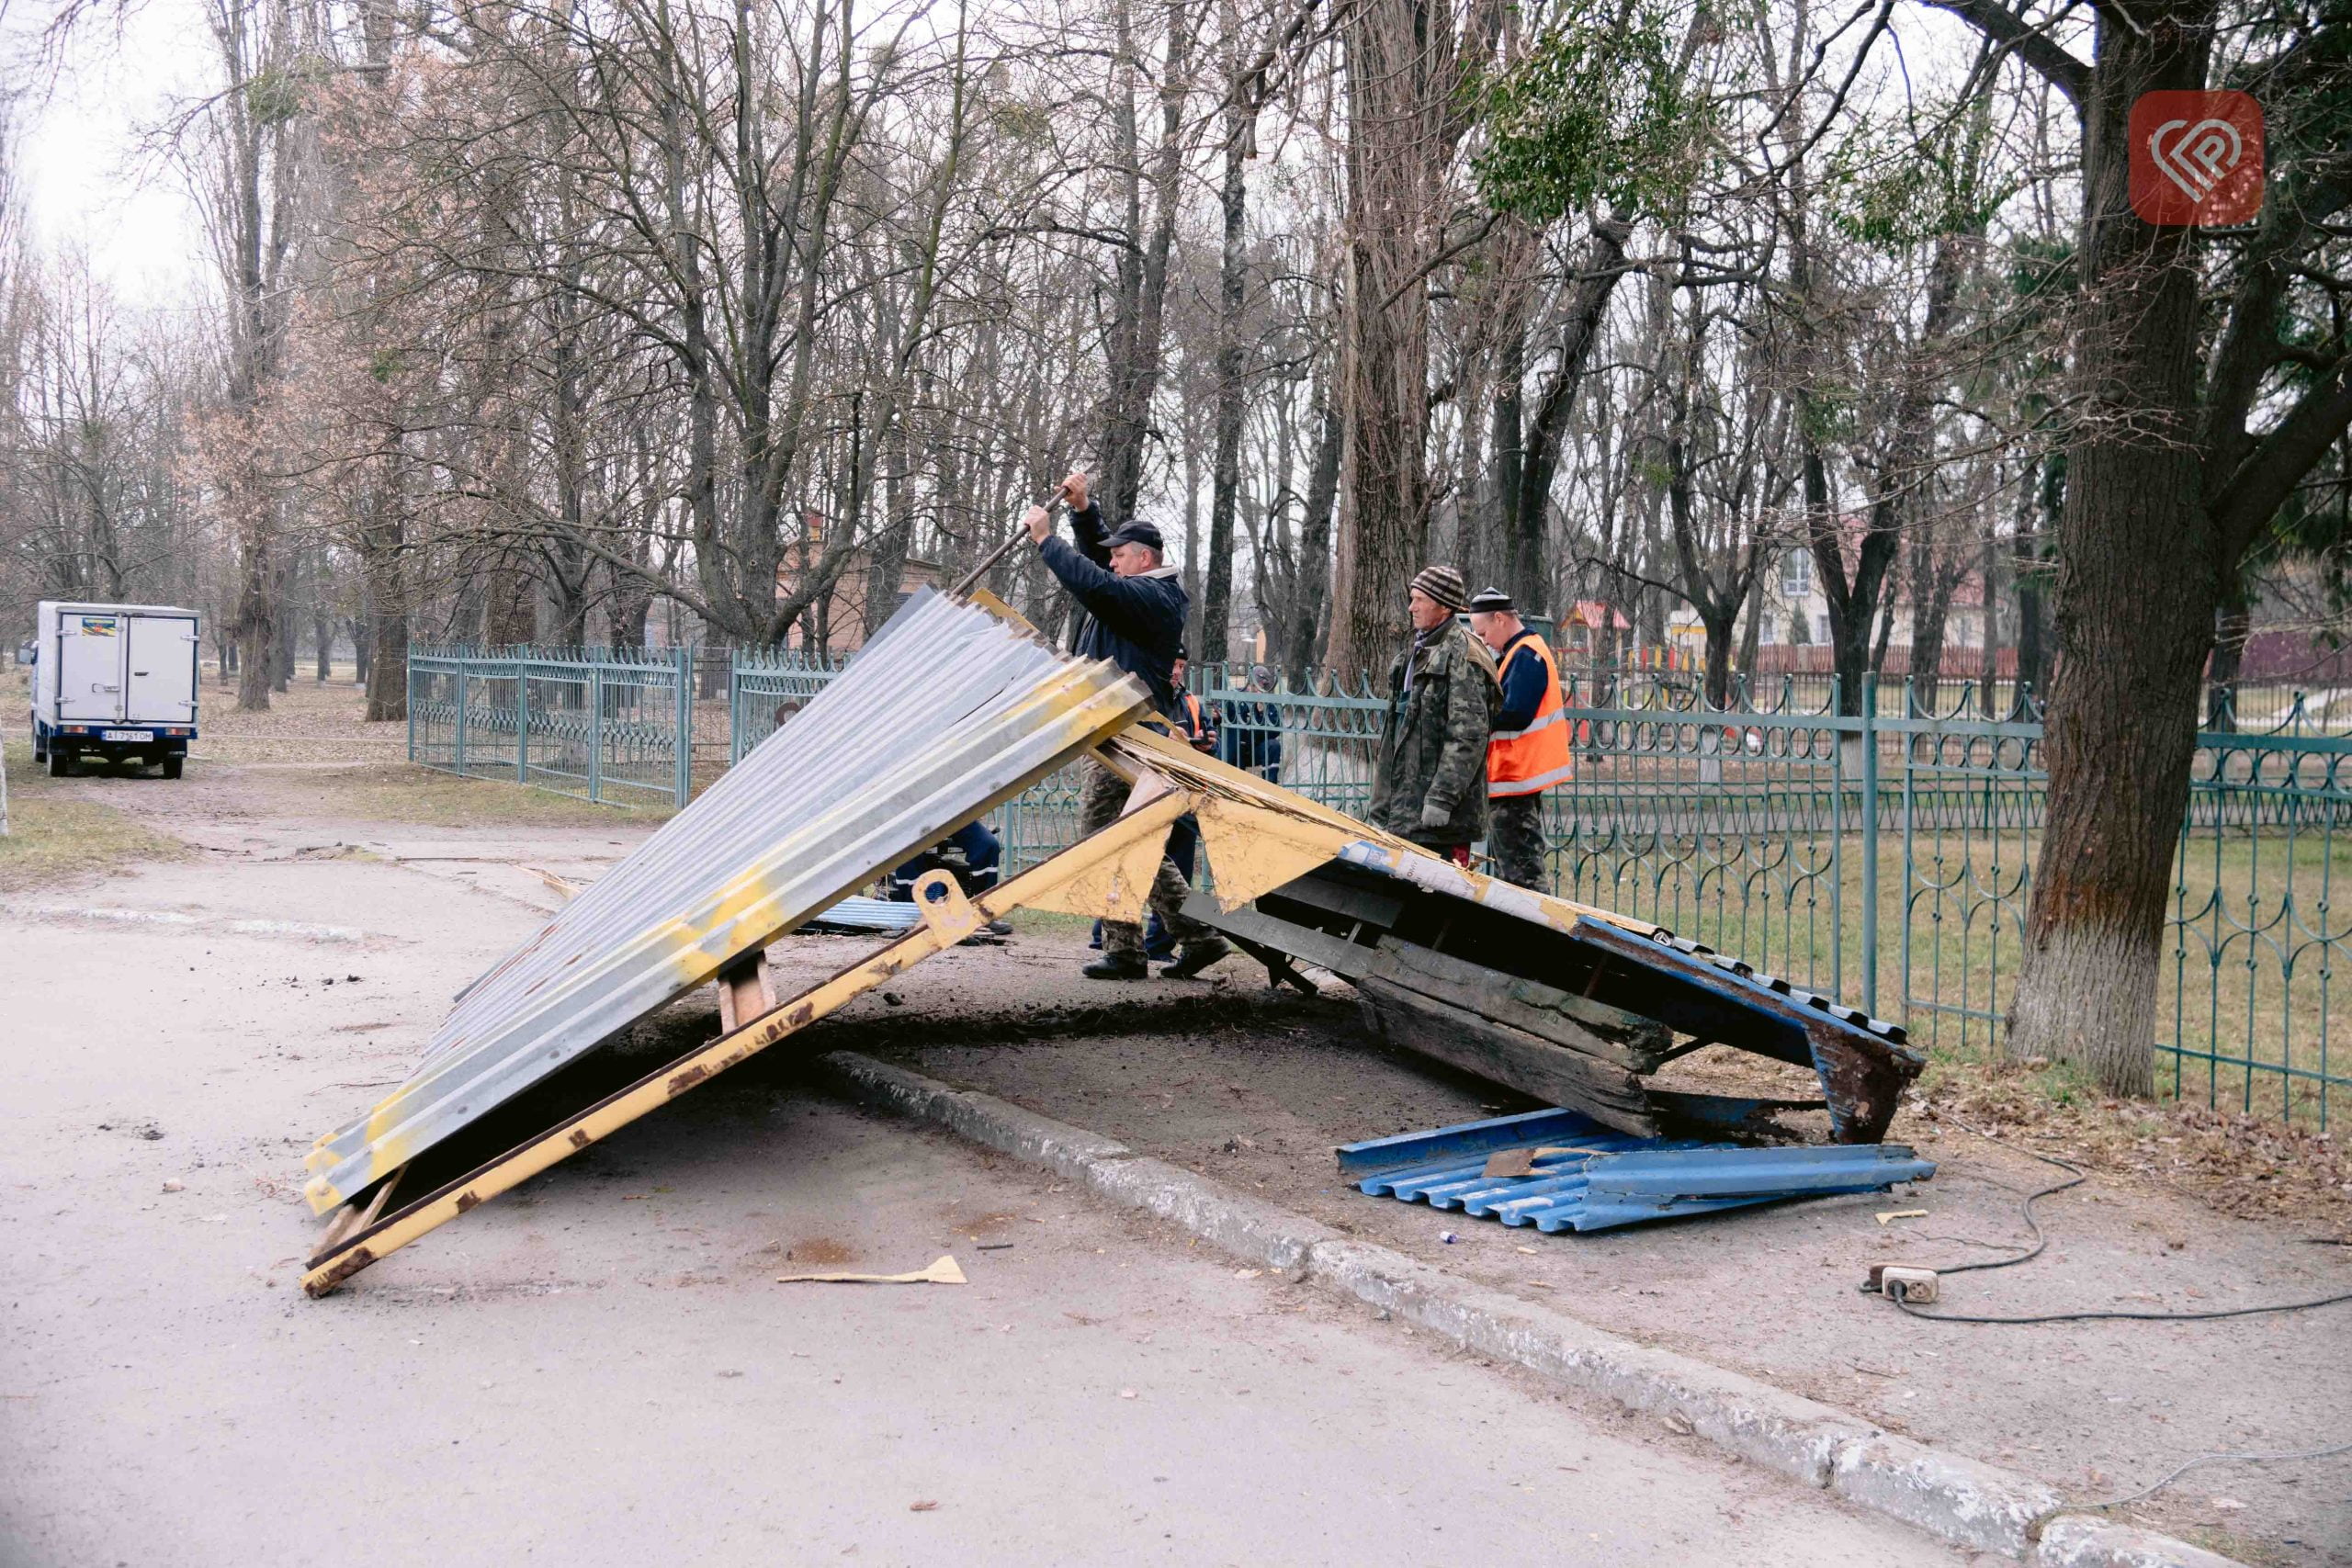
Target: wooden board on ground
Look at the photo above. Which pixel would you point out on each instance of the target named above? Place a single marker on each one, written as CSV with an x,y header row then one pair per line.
x,y
1609,1034
1528,1063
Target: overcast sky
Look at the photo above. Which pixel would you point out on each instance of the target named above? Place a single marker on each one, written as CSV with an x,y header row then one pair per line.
x,y
85,183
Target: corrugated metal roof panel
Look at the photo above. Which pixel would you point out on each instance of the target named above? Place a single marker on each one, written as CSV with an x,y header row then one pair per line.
x,y
948,710
1592,1178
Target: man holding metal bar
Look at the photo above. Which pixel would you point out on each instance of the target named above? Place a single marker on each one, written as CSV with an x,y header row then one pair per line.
x,y
1134,611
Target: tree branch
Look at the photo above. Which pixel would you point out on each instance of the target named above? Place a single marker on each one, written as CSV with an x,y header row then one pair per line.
x,y
2049,58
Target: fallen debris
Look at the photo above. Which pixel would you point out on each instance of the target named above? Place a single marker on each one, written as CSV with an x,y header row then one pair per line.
x,y
1570,1004
1883,1215
945,1271
1607,1180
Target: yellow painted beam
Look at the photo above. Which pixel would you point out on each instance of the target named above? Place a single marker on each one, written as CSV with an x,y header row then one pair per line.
x,y
948,917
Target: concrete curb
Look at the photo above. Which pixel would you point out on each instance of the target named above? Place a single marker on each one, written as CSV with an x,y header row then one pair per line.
x,y
1979,1506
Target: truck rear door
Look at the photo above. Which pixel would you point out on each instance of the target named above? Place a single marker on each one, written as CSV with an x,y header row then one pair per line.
x,y
162,685
89,667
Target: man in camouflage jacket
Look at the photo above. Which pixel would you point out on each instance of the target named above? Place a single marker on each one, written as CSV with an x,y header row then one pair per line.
x,y
1431,786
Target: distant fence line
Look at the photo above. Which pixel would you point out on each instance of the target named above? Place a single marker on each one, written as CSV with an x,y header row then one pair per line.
x,y
1884,856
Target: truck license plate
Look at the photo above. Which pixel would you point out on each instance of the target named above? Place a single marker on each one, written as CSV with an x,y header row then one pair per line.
x,y
123,735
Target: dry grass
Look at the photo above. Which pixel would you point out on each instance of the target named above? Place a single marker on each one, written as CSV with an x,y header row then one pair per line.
x,y
403,793
2256,1167
53,837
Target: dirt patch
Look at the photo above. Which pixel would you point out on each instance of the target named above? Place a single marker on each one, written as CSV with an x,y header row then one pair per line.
x,y
819,1252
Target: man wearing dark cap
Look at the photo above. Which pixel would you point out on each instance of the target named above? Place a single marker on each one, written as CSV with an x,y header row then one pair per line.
x,y
1134,617
1432,786
1528,752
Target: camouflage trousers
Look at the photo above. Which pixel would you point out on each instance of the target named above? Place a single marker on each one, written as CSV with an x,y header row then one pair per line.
x,y
1100,799
1515,839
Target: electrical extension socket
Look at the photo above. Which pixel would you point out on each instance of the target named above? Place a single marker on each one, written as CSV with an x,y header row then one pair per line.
x,y
1915,1286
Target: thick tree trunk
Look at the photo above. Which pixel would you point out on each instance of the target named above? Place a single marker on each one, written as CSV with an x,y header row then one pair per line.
x,y
2138,580
1395,107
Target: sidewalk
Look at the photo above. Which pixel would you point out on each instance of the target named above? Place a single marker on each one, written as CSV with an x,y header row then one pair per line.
x,y
2094,1409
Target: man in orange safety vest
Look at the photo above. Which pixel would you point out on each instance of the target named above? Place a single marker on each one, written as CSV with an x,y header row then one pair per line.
x,y
1529,751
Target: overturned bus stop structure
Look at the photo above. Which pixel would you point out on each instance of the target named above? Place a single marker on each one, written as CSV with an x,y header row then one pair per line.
x,y
954,708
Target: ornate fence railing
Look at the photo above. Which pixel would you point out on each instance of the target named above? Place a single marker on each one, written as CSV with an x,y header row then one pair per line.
x,y
1884,854
605,724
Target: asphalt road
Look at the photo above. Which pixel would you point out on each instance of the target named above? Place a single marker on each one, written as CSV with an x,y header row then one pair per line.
x,y
600,1368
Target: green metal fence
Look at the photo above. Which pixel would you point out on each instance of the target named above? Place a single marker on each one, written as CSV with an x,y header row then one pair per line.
x,y
603,724
1884,856
1887,855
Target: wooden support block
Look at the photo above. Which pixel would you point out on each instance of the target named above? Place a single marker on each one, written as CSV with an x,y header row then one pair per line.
x,y
1512,1056
1621,1039
746,991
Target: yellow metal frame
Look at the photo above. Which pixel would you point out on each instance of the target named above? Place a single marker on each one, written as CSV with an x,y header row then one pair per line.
x,y
1108,874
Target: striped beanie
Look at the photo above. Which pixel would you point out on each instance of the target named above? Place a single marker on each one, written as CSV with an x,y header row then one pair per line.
x,y
1443,584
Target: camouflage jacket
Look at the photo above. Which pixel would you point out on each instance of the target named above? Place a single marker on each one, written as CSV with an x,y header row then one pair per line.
x,y
1434,751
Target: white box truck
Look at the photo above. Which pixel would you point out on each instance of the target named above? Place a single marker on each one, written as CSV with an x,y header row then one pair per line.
x,y
114,682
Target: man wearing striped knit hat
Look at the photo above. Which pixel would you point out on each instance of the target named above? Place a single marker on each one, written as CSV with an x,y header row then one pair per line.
x,y
1442,697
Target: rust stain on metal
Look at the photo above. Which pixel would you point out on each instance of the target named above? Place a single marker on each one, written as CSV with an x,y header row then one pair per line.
x,y
580,1139
358,1258
469,1200
688,1080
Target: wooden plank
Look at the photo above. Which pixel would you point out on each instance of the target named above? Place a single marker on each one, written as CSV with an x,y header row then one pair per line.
x,y
1344,958
1621,1039
1512,1056
1338,895
746,991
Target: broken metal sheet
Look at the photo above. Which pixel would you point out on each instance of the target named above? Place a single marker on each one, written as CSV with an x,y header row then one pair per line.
x,y
948,711
1584,1176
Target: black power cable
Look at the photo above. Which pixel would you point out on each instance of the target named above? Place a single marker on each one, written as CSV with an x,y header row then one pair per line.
x,y
2075,1177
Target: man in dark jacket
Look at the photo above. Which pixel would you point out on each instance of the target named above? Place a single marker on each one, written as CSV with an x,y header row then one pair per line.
x,y
1134,617
1431,784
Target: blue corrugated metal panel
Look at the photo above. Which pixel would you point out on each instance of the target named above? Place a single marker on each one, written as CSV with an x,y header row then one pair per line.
x,y
866,915
1595,1179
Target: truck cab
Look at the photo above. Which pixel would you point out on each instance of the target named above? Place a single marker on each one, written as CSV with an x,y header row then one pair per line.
x,y
114,683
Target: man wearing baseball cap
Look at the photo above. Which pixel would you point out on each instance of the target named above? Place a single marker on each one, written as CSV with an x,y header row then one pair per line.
x,y
1528,752
1134,616
1431,784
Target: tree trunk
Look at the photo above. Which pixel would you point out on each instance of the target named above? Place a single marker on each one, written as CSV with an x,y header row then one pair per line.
x,y
1300,645
1393,50
2229,657
1231,359
2138,585
2030,561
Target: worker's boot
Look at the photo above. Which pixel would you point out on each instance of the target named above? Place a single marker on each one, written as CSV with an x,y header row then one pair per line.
x,y
1118,967
1196,956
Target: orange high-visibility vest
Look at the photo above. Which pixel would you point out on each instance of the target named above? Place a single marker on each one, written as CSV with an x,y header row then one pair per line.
x,y
1522,762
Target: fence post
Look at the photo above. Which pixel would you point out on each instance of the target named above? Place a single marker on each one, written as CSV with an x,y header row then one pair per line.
x,y
597,731
464,702
411,710
684,658
521,723
734,706
1869,845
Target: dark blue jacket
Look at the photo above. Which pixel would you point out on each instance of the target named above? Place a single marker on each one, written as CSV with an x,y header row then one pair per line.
x,y
1137,623
1523,684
